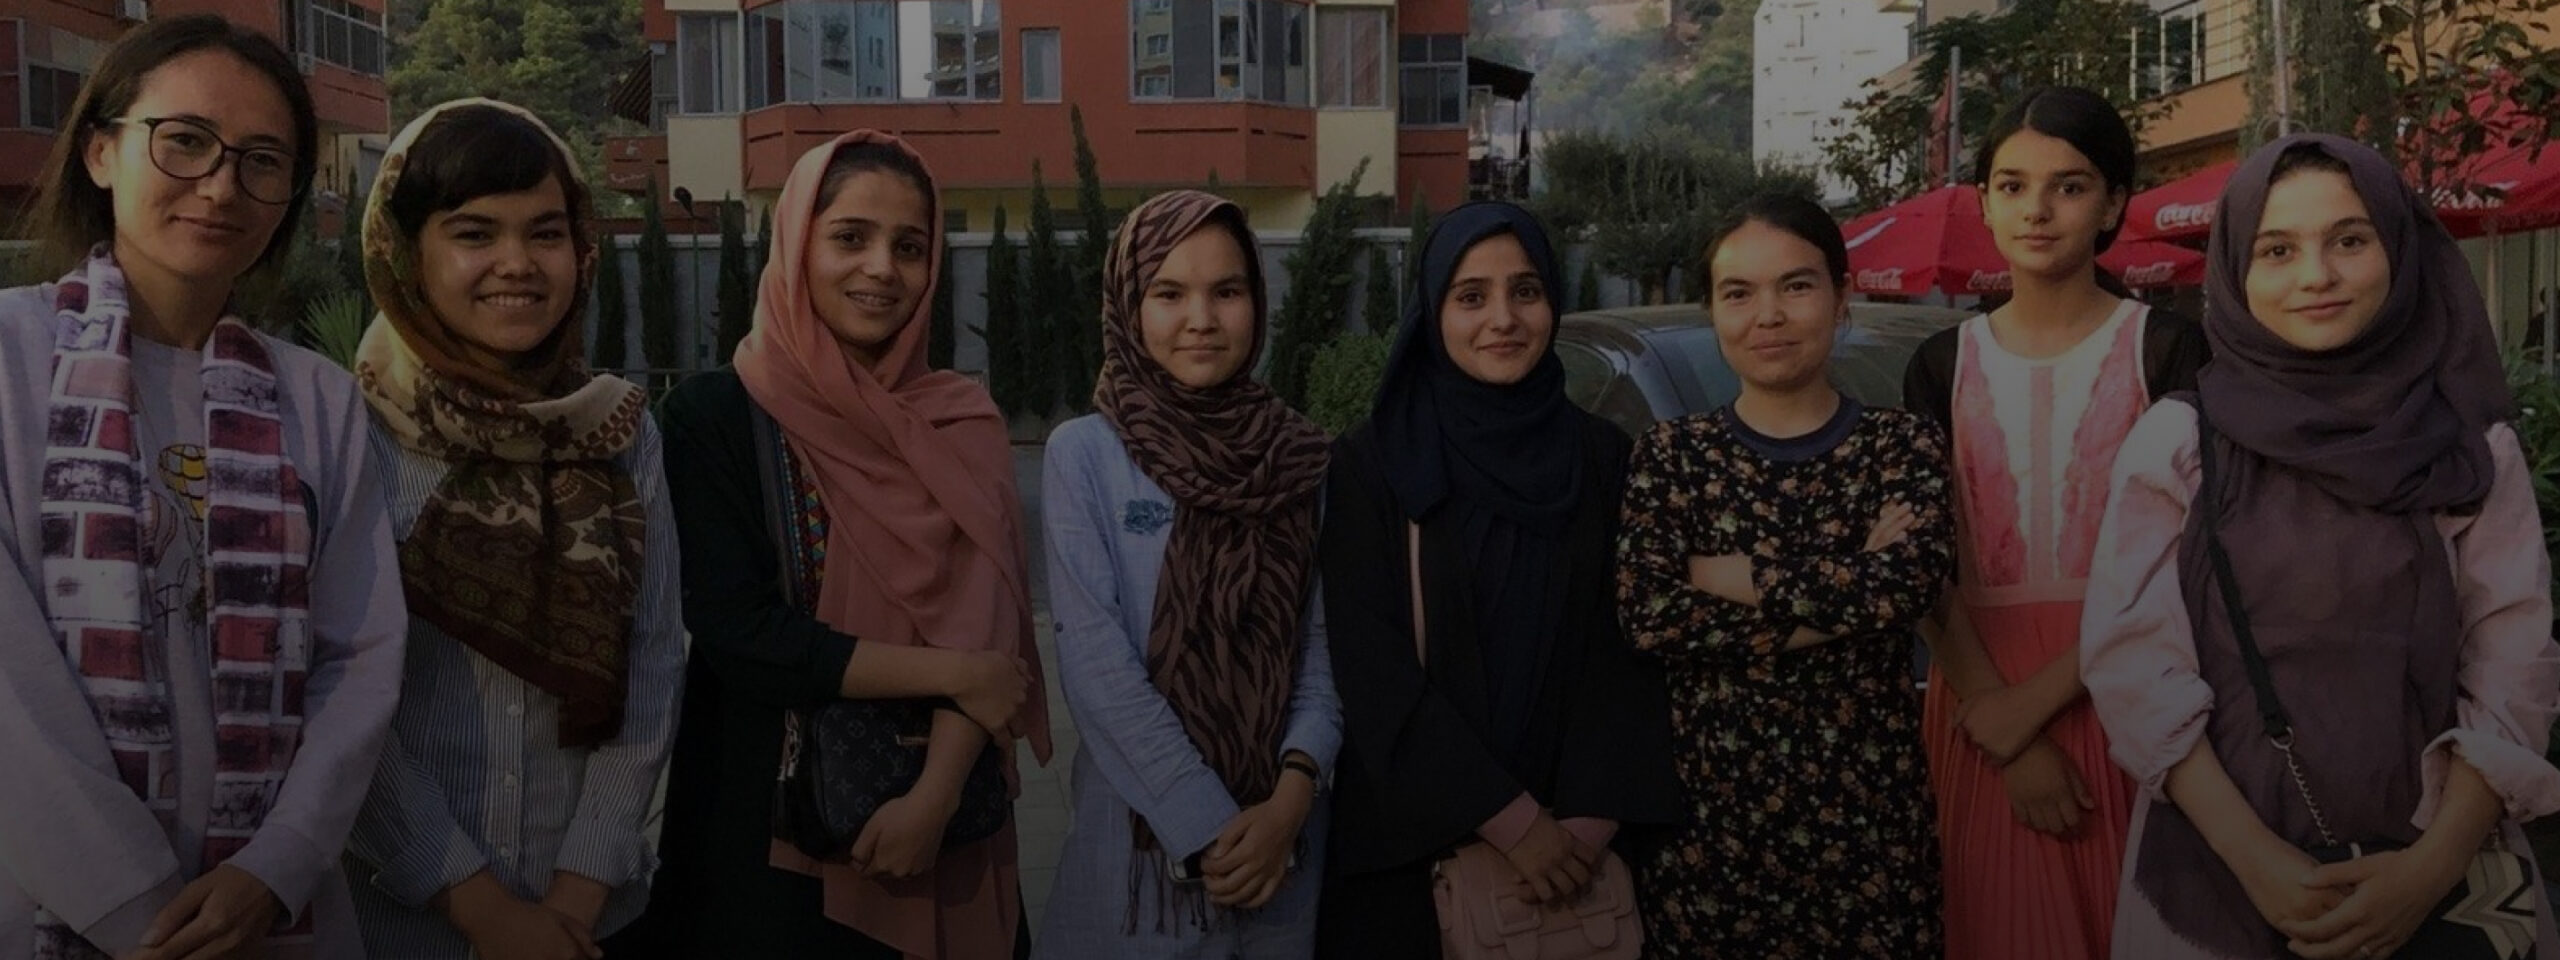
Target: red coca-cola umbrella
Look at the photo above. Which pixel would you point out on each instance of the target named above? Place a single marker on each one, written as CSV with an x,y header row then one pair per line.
x,y
2150,263
2180,210
1934,241
1937,241
2510,187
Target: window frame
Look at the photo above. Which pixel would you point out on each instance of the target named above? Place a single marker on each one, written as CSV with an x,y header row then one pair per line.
x,y
57,70
1327,84
852,52
1057,75
1253,42
343,35
1447,70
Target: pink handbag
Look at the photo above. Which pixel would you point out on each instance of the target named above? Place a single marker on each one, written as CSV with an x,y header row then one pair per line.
x,y
1483,904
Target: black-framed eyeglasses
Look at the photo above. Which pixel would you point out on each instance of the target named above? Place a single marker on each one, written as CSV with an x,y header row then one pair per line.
x,y
187,149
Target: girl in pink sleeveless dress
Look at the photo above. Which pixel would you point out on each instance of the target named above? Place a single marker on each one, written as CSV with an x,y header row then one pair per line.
x,y
2037,395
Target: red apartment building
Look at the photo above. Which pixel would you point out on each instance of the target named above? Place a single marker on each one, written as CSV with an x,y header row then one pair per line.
x,y
1275,99
48,48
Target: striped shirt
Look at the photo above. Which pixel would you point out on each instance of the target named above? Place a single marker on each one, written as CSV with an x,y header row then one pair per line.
x,y
473,777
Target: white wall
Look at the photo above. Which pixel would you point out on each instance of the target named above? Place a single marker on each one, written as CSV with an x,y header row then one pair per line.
x,y
1809,59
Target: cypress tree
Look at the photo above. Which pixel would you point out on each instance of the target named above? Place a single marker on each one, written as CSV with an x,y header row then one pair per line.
x,y
1379,313
1046,287
660,346
1003,333
1319,289
1080,337
944,340
737,288
612,346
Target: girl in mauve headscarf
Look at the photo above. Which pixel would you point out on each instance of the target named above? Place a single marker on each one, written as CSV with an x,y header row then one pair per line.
x,y
2380,525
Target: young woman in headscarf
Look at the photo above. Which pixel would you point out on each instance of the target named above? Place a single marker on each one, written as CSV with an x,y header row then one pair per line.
x,y
1776,553
200,625
537,552
1530,724
900,484
2379,523
1182,521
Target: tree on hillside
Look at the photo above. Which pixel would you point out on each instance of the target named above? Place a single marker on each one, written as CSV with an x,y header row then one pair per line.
x,y
1882,151
1645,205
560,59
2438,58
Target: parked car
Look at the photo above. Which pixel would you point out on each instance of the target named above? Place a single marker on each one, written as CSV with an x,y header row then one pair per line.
x,y
1635,366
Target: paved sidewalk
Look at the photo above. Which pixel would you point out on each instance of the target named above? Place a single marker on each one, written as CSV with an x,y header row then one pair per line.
x,y
1041,812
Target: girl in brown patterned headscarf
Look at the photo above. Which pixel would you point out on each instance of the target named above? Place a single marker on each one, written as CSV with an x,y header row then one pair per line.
x,y
1182,527
537,553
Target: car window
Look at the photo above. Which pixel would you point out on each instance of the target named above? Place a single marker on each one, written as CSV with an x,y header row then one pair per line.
x,y
1587,375
1696,364
1867,364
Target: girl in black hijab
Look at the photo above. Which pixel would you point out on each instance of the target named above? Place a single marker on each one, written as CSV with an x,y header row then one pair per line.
x,y
1527,723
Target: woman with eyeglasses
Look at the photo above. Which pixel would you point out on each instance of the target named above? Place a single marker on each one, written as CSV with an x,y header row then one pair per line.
x,y
201,638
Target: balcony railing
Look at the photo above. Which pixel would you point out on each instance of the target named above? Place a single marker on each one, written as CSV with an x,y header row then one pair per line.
x,y
2188,45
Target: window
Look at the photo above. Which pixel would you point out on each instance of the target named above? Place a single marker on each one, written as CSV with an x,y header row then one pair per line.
x,y
955,221
341,33
50,92
838,51
706,51
1432,81
1220,50
56,64
1040,68
1352,51
662,85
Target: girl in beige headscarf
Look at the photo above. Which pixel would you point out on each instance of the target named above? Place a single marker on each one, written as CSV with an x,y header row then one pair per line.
x,y
537,551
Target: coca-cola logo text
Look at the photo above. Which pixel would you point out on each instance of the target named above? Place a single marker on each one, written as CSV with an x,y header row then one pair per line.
x,y
2150,274
1987,281
1890,279
2179,216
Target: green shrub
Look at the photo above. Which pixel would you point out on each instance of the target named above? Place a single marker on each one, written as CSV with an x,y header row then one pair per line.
x,y
335,324
1342,381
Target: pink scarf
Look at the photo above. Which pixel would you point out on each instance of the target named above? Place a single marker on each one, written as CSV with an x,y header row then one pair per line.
x,y
923,543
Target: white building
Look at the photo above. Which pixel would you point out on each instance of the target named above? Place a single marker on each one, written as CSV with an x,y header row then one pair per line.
x,y
1810,58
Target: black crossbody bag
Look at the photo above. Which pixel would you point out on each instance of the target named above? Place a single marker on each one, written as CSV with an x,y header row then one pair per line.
x,y
842,760
2491,913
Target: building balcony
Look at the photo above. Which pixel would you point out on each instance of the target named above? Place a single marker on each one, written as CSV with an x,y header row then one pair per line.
x,y
2189,45
986,144
630,163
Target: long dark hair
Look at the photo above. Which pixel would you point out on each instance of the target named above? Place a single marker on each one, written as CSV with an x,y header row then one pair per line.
x,y
72,214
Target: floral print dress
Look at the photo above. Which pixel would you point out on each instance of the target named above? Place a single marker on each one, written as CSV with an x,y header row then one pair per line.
x,y
1811,827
